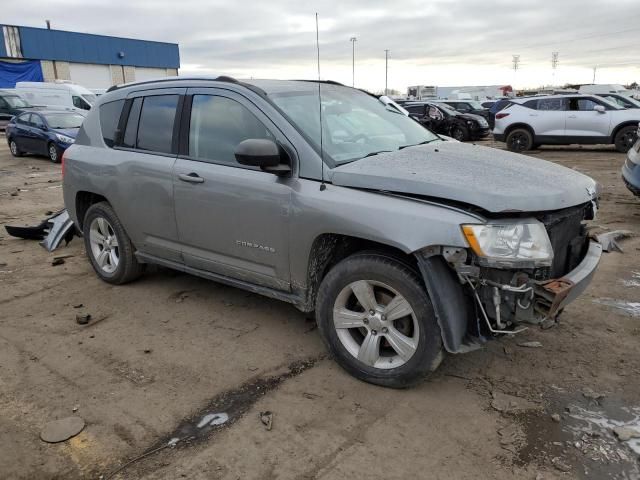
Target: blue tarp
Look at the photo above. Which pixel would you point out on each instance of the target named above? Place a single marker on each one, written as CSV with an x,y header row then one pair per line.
x,y
27,71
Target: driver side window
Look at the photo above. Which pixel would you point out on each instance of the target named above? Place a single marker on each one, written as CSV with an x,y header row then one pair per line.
x,y
79,102
218,125
36,121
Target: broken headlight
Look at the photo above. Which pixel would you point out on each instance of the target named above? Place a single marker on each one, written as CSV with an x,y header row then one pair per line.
x,y
508,244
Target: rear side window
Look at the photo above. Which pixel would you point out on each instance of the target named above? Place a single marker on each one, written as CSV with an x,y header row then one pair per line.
x,y
531,104
218,125
555,104
109,118
155,130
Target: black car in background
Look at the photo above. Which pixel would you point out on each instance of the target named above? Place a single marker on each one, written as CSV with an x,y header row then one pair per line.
x,y
442,119
11,104
468,106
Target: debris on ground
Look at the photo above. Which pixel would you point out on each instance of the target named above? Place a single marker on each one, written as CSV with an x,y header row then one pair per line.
x,y
511,438
556,417
589,394
267,419
632,308
211,419
61,430
57,261
51,231
560,465
83,319
530,344
609,240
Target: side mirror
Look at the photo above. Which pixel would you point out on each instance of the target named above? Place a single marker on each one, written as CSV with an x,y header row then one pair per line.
x,y
258,152
599,108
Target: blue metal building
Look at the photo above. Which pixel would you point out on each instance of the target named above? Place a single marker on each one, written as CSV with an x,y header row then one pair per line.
x,y
94,61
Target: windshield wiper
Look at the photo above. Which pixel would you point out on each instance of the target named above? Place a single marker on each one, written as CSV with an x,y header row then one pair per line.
x,y
416,144
371,154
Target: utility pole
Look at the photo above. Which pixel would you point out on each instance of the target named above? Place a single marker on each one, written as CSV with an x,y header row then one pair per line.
x,y
386,71
353,60
594,74
554,63
516,62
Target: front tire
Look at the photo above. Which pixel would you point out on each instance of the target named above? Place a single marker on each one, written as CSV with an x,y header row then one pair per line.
x,y
460,133
519,140
54,152
108,246
625,139
377,320
15,150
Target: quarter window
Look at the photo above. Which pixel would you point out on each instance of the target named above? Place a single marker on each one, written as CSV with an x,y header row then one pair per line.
x,y
155,132
218,125
131,132
109,118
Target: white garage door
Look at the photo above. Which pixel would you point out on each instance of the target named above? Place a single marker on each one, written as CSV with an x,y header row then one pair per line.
x,y
143,73
90,76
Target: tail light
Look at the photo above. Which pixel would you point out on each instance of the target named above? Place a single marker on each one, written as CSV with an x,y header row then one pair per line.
x,y
501,115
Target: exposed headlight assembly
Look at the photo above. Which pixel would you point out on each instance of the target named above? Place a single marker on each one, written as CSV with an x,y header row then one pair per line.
x,y
510,244
64,138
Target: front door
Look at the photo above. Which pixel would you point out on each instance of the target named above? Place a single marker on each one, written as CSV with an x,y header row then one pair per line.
x,y
39,137
232,220
584,121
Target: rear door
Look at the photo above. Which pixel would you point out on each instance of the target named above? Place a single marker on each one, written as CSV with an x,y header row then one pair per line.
x,y
232,219
546,116
584,121
22,135
143,155
39,137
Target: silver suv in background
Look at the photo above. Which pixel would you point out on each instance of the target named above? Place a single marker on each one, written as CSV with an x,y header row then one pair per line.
x,y
526,123
404,245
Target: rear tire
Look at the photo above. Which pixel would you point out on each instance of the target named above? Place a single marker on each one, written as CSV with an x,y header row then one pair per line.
x,y
519,140
15,150
54,152
108,246
393,347
625,138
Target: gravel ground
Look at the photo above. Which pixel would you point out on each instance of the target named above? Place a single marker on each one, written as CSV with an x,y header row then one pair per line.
x,y
160,354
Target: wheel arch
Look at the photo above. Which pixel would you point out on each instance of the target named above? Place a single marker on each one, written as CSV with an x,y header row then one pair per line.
x,y
83,201
628,123
515,126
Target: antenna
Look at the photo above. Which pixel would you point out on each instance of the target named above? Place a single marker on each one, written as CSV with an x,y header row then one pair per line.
x,y
322,185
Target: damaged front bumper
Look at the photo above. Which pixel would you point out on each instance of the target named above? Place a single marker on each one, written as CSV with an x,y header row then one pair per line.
x,y
551,296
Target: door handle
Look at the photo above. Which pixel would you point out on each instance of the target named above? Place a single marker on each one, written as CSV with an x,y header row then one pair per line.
x,y
571,116
192,177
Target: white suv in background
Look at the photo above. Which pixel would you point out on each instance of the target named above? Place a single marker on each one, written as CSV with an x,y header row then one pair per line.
x,y
563,120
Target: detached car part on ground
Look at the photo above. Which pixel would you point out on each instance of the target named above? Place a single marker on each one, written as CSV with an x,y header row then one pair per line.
x,y
404,245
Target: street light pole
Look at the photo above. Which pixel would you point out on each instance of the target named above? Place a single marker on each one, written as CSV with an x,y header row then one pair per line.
x,y
386,71
353,60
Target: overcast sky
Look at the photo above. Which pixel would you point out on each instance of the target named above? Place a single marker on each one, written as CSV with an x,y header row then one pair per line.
x,y
431,42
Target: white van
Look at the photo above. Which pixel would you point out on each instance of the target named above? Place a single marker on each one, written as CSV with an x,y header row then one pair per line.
x,y
605,88
56,94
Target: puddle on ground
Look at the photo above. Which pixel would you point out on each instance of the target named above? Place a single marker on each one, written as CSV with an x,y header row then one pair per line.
x,y
632,308
222,411
583,442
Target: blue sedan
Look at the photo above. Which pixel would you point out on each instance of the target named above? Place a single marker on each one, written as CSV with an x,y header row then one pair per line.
x,y
47,132
631,168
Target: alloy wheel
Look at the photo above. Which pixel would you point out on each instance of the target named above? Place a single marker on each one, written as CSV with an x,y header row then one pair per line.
x,y
104,245
53,153
376,324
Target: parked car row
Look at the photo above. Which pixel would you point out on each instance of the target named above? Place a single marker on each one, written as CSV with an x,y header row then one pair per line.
x,y
443,119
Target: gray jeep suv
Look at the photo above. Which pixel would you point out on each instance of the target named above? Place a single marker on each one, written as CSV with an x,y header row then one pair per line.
x,y
404,245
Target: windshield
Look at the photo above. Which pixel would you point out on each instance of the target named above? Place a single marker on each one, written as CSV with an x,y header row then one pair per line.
x,y
15,101
354,124
475,105
90,97
626,102
64,120
448,108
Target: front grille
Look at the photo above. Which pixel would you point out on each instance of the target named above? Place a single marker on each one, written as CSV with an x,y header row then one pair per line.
x,y
568,238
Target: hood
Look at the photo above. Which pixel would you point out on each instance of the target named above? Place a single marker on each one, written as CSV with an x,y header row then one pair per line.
x,y
494,180
69,132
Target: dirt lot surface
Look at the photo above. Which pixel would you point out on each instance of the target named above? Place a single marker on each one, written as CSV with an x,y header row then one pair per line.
x,y
161,354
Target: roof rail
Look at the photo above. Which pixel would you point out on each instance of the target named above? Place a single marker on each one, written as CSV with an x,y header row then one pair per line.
x,y
220,78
